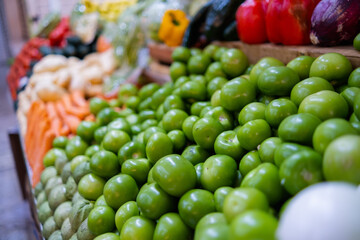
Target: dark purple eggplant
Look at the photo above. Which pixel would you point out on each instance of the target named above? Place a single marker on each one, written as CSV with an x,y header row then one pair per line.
x,y
335,22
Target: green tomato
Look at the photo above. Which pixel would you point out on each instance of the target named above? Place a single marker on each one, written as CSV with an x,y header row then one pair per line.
x,y
333,67
119,190
181,54
253,133
349,95
126,211
234,62
178,139
114,140
328,131
195,204
342,160
145,104
158,146
299,128
227,143
356,42
52,155
105,116
301,170
97,104
171,226
251,112
137,168
214,70
220,194
261,66
198,64
148,90
267,149
215,84
177,69
237,93
301,65
354,78
265,178
307,87
90,151
147,114
218,171
218,53
215,99
265,99
107,236
223,116
150,131
75,146
205,132
104,164
133,102
153,201
325,105
101,220
173,102
77,161
138,227
210,50
100,133
277,81
180,81
60,142
195,154
212,232
91,186
127,90
188,125
285,150
120,124
131,150
205,110
254,224
242,199
357,106
100,201
174,174
193,91
159,96
198,169
278,110
197,107
149,123
249,162
174,119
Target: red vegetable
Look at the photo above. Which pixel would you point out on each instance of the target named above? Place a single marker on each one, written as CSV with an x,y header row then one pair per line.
x,y
250,18
288,21
335,22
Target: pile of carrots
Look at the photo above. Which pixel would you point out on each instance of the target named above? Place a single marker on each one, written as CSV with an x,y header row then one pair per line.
x,y
45,121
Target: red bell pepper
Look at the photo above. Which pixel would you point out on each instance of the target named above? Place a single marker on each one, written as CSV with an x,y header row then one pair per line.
x,y
250,18
288,21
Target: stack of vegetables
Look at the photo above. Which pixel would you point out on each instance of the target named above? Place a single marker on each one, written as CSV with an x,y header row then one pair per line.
x,y
225,151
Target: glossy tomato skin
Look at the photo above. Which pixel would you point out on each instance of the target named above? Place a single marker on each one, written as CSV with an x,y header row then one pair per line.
x,y
357,106
188,125
138,227
249,161
211,219
342,159
267,149
262,65
195,154
173,102
174,174
119,190
131,150
252,111
205,131
214,232
195,204
354,78
126,211
300,170
228,144
349,94
242,199
101,220
220,195
234,62
218,171
137,169
325,105
298,128
215,84
254,224
153,202
197,107
158,146
114,140
223,116
301,65
237,93
285,150
265,178
91,186
252,133
174,119
277,81
214,70
198,168
329,130
150,131
171,226
278,109
104,164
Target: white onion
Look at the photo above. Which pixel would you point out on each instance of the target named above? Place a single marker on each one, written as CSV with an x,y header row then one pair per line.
x,y
325,211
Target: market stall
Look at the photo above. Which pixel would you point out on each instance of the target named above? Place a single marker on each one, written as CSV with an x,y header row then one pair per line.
x,y
192,120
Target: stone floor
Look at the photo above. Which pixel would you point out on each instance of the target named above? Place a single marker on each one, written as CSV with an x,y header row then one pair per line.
x,y
15,219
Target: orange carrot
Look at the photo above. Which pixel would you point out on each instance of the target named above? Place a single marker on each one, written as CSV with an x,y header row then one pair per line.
x,y
90,118
55,121
70,120
78,98
80,112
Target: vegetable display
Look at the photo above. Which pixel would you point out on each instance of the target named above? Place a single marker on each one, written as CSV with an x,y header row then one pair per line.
x,y
225,151
173,26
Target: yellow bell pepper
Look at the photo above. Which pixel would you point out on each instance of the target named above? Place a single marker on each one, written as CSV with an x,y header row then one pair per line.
x,y
173,27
